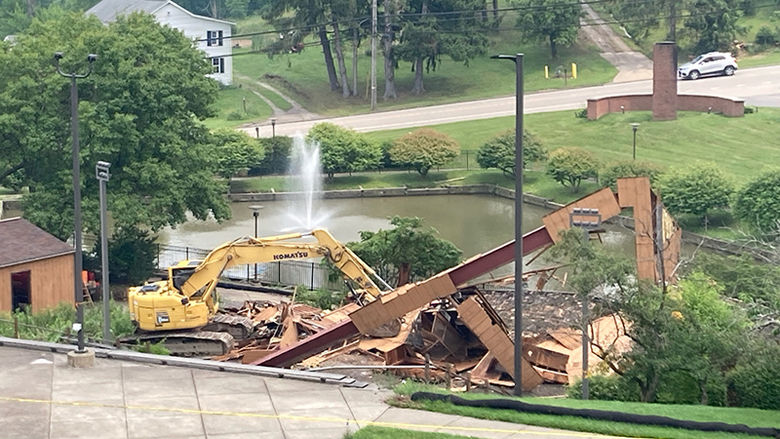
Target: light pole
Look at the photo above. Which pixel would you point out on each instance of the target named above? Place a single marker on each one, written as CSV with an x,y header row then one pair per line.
x,y
634,127
101,172
273,127
255,213
581,217
518,369
74,128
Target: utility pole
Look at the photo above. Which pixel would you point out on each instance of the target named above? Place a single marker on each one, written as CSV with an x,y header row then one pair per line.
x,y
373,55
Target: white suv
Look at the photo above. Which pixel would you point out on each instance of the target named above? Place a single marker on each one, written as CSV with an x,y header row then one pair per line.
x,y
713,63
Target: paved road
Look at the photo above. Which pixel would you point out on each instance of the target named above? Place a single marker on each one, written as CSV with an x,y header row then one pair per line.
x,y
758,86
41,398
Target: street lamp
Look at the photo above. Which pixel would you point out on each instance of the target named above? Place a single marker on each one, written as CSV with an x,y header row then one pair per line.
x,y
273,127
255,213
518,370
588,219
101,172
634,126
74,128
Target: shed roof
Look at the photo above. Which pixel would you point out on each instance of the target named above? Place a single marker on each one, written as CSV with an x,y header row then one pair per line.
x,y
21,241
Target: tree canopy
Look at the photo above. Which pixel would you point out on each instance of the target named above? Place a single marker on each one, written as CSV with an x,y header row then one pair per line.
x,y
499,152
423,149
140,110
406,253
344,150
550,20
758,203
695,189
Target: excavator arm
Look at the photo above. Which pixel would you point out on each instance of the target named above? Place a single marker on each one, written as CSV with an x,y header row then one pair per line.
x,y
244,251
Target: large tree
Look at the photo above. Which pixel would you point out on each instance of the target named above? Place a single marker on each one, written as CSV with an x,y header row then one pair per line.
x,y
139,110
436,28
408,252
550,20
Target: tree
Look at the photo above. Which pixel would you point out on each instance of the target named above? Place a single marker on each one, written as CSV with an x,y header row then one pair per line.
x,y
695,189
344,150
276,159
442,28
499,152
235,151
423,149
628,168
569,166
549,20
758,202
714,25
406,253
140,110
638,19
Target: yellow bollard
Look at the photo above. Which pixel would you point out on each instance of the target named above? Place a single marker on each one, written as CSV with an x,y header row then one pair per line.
x,y
573,70
546,73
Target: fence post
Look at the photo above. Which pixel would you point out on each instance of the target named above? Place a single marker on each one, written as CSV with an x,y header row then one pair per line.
x,y
427,368
158,255
187,253
279,272
467,160
16,327
312,276
247,273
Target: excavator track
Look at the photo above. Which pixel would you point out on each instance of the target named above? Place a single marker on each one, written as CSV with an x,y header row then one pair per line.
x,y
187,343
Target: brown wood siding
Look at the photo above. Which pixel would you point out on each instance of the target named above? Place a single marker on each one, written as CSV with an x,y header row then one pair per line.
x,y
51,282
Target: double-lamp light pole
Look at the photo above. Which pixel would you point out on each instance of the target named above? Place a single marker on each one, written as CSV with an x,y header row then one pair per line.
x,y
518,354
74,126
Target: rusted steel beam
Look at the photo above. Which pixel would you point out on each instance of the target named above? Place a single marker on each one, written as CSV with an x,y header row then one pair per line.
x,y
499,256
310,345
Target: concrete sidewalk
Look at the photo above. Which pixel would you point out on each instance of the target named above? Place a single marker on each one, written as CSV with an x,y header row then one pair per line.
x,y
41,397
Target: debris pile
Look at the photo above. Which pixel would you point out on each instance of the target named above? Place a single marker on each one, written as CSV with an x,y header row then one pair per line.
x,y
460,340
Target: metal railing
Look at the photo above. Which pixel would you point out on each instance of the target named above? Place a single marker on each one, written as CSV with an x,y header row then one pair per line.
x,y
311,274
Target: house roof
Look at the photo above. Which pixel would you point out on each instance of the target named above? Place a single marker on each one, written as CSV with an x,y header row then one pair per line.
x,y
108,10
21,241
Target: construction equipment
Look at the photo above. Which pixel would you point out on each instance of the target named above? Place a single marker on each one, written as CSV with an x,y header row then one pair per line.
x,y
168,310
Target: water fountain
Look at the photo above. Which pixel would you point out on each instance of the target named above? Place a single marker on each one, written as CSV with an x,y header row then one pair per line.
x,y
306,169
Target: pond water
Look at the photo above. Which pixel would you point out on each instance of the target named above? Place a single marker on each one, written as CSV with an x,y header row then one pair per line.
x,y
474,223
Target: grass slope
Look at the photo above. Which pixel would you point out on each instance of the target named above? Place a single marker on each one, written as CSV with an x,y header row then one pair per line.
x,y
371,432
747,416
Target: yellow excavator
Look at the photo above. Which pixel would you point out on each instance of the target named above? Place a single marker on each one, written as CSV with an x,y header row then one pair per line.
x,y
182,310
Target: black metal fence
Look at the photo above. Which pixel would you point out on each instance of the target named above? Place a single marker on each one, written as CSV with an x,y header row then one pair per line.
x,y
311,274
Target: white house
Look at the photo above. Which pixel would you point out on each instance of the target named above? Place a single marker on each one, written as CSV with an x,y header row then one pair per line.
x,y
209,34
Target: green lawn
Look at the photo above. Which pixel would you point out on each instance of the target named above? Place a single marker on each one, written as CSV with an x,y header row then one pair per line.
x,y
230,107
302,75
748,416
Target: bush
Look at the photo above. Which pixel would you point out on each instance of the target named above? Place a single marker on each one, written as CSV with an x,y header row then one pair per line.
x,y
754,382
52,323
604,387
569,166
499,152
320,298
629,168
277,156
234,115
696,189
766,36
758,203
581,114
424,149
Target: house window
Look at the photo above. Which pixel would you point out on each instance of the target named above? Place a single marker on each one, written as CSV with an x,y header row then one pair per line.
x,y
218,65
214,38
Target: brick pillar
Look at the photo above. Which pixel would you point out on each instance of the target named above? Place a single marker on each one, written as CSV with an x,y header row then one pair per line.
x,y
665,81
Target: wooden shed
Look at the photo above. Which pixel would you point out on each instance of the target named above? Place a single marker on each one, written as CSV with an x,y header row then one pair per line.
x,y
35,267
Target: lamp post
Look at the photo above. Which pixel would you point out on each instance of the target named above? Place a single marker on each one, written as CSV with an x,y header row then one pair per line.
x,y
256,213
518,354
273,127
581,217
74,128
101,172
634,127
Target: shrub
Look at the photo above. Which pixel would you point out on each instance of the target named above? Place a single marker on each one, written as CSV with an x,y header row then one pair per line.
x,y
696,189
320,298
766,36
629,168
131,256
569,166
234,115
754,381
499,152
424,149
277,156
581,114
758,202
604,387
